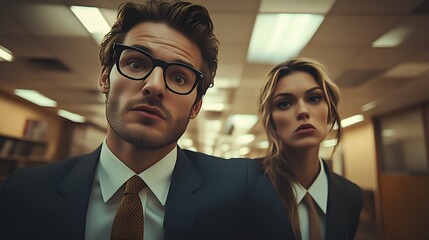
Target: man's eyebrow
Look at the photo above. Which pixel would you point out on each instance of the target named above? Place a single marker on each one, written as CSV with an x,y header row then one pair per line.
x,y
147,50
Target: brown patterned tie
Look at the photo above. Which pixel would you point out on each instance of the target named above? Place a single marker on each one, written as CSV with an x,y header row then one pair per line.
x,y
128,223
315,231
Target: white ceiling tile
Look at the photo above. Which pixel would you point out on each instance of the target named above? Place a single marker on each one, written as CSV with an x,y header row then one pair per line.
x,y
377,7
236,27
352,30
48,20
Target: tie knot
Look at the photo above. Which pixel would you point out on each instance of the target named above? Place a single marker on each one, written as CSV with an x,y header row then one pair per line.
x,y
134,185
308,200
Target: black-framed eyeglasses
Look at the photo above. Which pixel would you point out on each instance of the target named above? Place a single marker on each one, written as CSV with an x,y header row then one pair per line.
x,y
136,64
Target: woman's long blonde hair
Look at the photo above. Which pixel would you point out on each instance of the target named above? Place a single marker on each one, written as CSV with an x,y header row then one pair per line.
x,y
275,164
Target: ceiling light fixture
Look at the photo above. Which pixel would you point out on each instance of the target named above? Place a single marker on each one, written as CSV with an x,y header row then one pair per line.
x,y
351,120
392,38
5,54
35,97
329,143
71,116
213,107
245,139
92,19
242,122
262,144
369,106
279,37
186,142
388,132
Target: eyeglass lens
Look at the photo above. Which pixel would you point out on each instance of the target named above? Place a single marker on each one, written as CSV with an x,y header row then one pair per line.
x,y
137,65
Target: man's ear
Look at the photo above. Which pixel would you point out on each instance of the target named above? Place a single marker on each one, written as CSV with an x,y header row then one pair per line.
x,y
103,81
196,109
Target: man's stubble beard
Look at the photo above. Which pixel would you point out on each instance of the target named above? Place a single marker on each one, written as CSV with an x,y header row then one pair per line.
x,y
142,137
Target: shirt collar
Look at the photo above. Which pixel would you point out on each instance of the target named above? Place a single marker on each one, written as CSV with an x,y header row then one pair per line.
x,y
318,190
113,173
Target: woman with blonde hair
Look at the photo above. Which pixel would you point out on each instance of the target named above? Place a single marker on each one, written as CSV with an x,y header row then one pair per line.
x,y
299,107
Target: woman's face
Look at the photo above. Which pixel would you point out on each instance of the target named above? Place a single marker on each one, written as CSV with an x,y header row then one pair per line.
x,y
299,111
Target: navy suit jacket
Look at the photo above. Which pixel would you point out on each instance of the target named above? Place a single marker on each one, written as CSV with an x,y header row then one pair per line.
x,y
345,200
209,198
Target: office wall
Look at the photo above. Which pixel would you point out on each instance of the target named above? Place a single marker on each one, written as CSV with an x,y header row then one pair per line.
x,y
85,138
14,114
359,155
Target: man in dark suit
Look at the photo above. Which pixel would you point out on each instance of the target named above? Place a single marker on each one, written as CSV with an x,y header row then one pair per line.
x,y
156,64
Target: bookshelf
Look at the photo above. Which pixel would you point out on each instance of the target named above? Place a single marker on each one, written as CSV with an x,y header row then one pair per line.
x,y
17,152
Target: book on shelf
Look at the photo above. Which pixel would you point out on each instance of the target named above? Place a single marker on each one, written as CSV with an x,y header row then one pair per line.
x,y
35,129
7,147
22,148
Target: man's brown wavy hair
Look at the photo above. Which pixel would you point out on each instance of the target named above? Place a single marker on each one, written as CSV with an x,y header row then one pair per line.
x,y
191,20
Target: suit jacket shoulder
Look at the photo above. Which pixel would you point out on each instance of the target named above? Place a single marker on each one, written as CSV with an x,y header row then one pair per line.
x,y
48,201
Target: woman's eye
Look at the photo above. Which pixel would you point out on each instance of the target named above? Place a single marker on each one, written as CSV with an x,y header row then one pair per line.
x,y
315,99
283,104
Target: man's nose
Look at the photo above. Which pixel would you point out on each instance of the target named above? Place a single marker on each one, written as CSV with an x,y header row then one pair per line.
x,y
154,84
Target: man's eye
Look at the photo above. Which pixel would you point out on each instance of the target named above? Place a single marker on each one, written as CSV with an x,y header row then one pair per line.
x,y
136,65
179,79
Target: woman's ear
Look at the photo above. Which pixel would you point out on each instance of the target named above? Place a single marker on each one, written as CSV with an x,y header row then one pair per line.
x,y
103,81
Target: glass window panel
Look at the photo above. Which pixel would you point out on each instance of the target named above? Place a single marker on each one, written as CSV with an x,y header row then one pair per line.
x,y
403,143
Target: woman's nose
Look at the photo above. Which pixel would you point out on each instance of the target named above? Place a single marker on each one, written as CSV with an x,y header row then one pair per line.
x,y
303,112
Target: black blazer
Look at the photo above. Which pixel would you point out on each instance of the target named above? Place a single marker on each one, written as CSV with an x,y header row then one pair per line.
x,y
209,198
345,200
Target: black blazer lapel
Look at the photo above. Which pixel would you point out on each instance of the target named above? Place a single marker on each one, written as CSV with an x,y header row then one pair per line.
x,y
182,204
75,189
337,218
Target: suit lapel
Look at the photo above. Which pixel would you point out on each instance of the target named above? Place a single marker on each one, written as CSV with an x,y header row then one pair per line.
x,y
75,190
336,218
182,204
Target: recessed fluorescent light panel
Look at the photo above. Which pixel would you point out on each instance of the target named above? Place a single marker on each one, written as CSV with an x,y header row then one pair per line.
x,y
243,122
5,54
279,37
351,120
329,143
71,116
392,38
92,20
369,106
245,138
262,144
213,107
35,97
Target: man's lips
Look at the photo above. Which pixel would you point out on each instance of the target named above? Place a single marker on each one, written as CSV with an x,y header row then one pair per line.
x,y
149,109
304,127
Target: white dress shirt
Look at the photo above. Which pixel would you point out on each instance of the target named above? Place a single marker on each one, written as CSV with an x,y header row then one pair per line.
x,y
108,188
319,192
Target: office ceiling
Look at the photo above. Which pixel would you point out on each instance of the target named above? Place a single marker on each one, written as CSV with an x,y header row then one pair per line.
x,y
55,55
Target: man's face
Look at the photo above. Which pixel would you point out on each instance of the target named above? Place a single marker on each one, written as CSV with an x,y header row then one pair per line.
x,y
143,112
